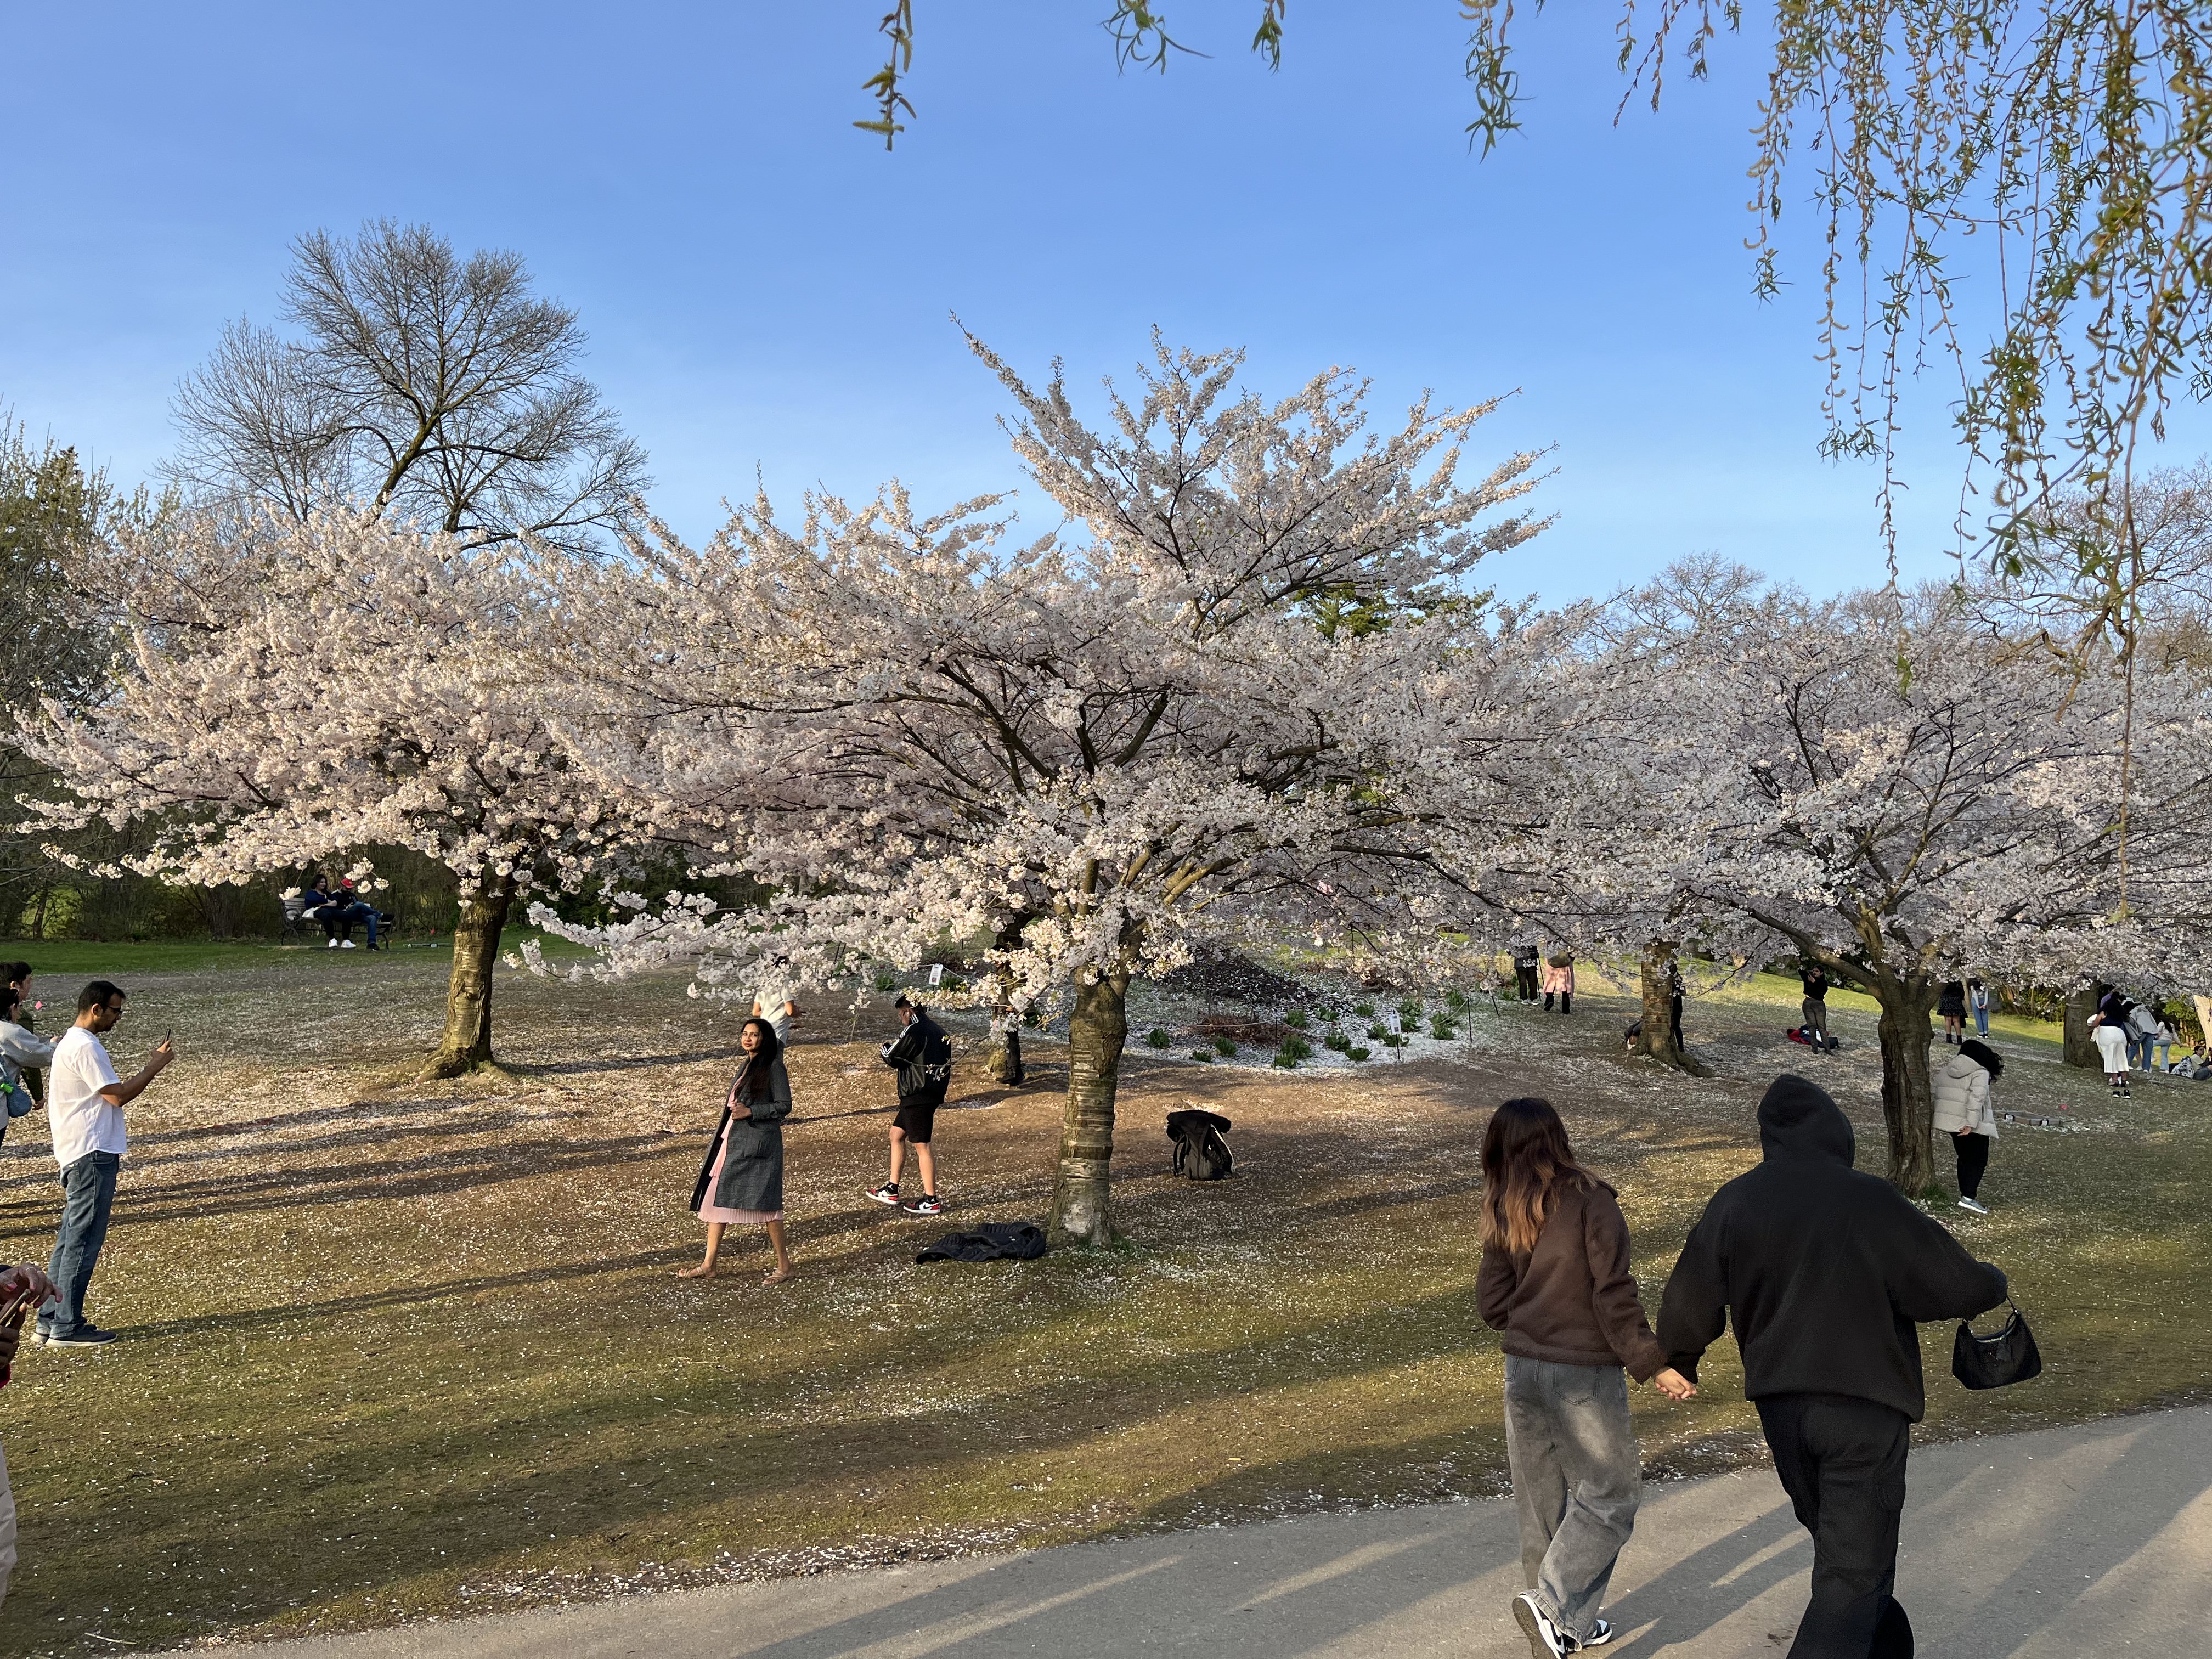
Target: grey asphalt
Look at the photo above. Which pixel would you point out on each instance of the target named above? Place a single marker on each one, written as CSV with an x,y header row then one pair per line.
x,y
2045,1546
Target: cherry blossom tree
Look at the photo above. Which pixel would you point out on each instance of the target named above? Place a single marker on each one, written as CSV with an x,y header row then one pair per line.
x,y
297,690
1083,752
1902,793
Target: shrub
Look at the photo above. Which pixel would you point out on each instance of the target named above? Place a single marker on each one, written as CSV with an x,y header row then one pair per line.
x,y
1295,1019
1410,1011
1205,1054
1363,1010
1158,1038
1456,1001
886,982
952,982
1356,1053
1293,1050
1443,1029
1224,1046
1392,1040
1378,1032
1336,1040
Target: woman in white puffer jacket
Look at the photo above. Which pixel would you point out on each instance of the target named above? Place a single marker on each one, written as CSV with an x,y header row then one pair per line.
x,y
1964,1113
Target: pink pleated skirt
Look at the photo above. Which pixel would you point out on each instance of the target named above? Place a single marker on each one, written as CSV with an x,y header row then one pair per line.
x,y
710,1210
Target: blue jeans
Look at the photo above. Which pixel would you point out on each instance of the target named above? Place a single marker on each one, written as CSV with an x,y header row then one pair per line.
x,y
87,1195
1577,1478
1981,1021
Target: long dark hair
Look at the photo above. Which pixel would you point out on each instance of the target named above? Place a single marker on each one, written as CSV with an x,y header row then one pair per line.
x,y
1982,1056
1526,1163
752,1070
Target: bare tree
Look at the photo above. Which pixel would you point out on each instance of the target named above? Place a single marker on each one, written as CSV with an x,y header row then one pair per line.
x,y
426,386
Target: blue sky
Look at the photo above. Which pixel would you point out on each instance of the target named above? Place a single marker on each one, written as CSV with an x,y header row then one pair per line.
x,y
766,288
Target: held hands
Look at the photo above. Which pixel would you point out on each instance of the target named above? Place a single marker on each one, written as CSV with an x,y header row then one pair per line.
x,y
1672,1383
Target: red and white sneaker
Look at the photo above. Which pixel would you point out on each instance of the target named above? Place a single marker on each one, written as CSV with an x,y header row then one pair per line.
x,y
887,1193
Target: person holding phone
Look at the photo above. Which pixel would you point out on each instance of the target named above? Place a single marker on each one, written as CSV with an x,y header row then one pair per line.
x,y
21,1289
84,1106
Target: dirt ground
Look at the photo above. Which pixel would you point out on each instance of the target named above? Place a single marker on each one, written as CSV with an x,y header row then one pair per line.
x,y
411,1351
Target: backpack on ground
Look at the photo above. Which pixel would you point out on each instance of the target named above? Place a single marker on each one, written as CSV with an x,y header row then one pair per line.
x,y
1200,1154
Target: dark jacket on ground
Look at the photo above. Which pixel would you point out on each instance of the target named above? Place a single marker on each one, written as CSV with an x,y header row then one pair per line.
x,y
752,1174
1824,1270
1571,1300
922,1056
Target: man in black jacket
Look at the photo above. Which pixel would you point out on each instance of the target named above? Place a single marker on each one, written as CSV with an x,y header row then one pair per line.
x,y
922,1054
1827,1271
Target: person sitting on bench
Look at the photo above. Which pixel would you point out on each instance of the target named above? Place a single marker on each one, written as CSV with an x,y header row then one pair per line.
x,y
338,908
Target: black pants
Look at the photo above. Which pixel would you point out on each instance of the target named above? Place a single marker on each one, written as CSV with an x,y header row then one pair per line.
x,y
1525,979
1566,1002
1675,1016
1973,1152
1842,1461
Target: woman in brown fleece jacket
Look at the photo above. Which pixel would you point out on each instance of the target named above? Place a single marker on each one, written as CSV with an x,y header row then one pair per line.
x,y
1555,1279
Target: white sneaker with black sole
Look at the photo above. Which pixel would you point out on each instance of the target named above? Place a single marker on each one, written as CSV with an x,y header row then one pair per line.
x,y
1545,1640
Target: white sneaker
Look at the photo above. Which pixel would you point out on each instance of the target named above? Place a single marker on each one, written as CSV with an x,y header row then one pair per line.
x,y
1545,1639
1601,1633
334,945
345,945
1978,1207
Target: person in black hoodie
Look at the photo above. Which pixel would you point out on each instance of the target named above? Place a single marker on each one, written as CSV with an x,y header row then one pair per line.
x,y
922,1056
1826,1272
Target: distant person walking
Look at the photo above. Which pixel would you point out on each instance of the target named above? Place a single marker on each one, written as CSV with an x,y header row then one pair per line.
x,y
1813,979
1527,960
84,1107
18,975
2109,1031
1978,1000
741,1182
21,1055
1555,1279
1963,1112
1824,1273
1951,1003
1560,979
773,1002
922,1054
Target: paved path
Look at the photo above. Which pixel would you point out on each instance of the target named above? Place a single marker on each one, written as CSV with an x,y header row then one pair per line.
x,y
2047,1546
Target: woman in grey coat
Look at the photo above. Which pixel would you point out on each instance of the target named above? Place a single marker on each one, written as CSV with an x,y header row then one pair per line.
x,y
742,1180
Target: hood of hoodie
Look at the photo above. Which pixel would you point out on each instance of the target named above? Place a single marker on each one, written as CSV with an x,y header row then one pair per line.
x,y
1961,1066
1797,1119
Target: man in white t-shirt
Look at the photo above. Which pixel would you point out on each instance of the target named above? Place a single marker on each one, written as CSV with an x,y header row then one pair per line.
x,y
84,1106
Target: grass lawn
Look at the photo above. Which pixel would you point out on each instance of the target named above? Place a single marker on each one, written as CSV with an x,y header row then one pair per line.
x,y
422,1352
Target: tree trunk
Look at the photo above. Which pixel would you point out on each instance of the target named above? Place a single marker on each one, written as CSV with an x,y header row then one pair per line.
x,y
1908,1097
1097,1028
2081,1004
1655,1037
1003,1064
467,1042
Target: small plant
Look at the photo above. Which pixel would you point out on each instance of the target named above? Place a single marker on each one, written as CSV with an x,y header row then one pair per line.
x,y
1409,1011
1159,1039
1392,1040
1443,1029
1380,1033
1206,1055
1363,1010
1356,1053
1338,1041
1295,1019
954,982
1293,1050
1456,1001
886,982
1224,1046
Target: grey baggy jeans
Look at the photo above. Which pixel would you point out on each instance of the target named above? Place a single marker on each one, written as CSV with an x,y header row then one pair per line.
x,y
1577,1478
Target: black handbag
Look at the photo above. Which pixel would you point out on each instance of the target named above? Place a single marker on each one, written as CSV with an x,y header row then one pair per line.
x,y
1998,1361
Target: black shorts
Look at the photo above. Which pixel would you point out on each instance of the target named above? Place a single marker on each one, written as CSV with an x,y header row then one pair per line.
x,y
917,1121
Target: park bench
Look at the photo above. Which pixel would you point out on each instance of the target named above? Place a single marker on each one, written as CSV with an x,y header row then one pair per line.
x,y
295,913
